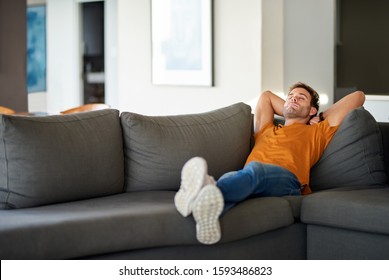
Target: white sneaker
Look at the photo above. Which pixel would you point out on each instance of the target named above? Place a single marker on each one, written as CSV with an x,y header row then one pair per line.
x,y
193,178
207,208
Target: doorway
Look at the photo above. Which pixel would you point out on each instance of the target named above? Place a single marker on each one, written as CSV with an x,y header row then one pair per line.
x,y
93,70
362,57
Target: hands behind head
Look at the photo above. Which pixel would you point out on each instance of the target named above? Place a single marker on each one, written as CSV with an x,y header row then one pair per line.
x,y
314,120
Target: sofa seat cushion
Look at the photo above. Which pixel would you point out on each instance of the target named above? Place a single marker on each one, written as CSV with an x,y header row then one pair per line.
x,y
295,204
156,147
255,216
124,222
60,158
361,210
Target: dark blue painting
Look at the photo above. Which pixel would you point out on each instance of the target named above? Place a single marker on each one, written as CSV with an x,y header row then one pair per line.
x,y
36,48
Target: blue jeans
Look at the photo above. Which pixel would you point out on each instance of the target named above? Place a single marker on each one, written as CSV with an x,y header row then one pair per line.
x,y
257,179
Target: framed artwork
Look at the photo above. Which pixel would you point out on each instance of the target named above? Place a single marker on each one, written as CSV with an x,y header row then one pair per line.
x,y
182,42
36,48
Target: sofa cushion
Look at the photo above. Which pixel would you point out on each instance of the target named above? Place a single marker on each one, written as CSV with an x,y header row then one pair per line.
x,y
354,156
362,210
59,158
156,147
384,128
122,222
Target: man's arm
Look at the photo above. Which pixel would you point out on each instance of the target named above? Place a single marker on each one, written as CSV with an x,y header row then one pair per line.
x,y
268,104
338,111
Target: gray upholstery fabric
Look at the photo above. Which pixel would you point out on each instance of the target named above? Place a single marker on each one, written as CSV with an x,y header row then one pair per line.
x,y
256,215
295,204
126,221
354,156
156,148
286,243
327,243
384,128
361,210
60,158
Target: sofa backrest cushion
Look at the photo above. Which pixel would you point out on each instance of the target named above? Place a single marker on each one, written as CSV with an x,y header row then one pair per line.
x,y
60,158
354,156
156,147
384,128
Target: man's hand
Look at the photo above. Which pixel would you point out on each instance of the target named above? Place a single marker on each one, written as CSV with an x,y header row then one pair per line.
x,y
314,120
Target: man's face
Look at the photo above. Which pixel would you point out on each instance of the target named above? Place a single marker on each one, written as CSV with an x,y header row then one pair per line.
x,y
298,104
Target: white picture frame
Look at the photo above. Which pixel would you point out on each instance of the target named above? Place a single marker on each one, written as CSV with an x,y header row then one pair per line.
x,y
182,42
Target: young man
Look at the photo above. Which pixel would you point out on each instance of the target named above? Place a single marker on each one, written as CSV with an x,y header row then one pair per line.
x,y
279,163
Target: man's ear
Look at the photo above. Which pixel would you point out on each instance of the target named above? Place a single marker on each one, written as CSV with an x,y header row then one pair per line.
x,y
313,112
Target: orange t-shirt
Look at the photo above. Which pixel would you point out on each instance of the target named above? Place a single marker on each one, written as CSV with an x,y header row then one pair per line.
x,y
296,147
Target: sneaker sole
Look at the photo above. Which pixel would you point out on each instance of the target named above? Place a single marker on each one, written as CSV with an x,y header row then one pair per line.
x,y
192,180
207,209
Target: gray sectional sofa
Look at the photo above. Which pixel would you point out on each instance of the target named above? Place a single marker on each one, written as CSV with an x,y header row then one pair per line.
x,y
100,185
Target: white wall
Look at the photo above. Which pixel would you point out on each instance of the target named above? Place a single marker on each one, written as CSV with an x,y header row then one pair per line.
x,y
257,47
378,106
237,60
63,55
258,44
111,52
273,45
310,45
298,45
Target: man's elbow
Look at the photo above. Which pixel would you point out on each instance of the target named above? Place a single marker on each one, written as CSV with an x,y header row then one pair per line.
x,y
359,98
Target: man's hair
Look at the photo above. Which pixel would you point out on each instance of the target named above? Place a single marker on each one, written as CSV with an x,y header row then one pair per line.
x,y
312,92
